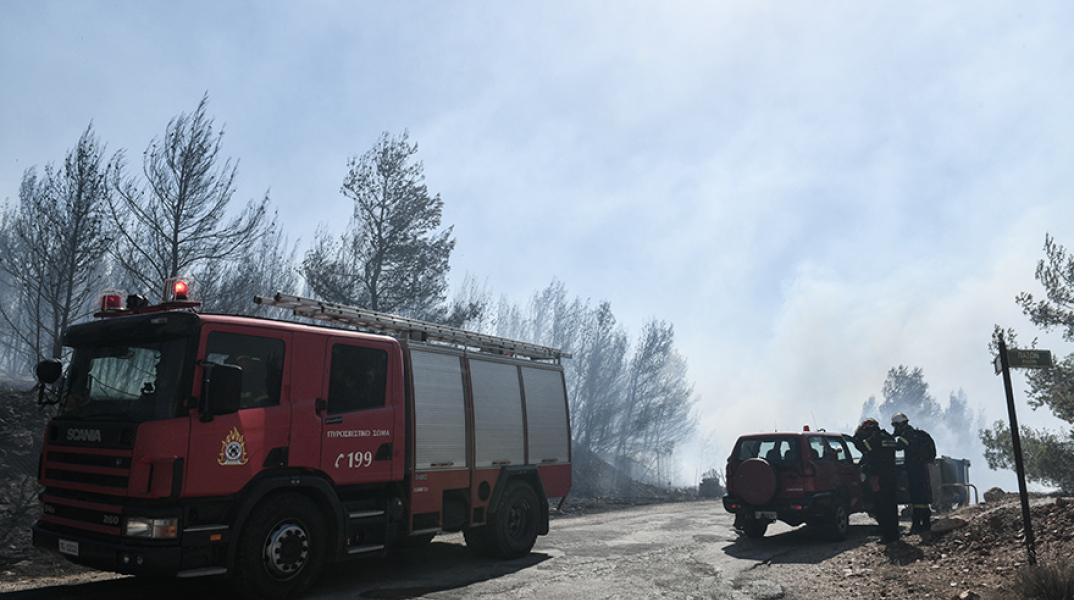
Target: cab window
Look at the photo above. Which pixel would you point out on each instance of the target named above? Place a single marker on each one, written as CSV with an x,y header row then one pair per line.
x,y
261,361
818,448
855,454
838,451
358,378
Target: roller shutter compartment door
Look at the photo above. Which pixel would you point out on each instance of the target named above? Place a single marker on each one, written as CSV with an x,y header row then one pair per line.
x,y
439,411
498,426
546,416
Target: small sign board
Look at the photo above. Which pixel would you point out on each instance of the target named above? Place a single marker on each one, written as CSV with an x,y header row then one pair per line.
x,y
1025,359
1029,359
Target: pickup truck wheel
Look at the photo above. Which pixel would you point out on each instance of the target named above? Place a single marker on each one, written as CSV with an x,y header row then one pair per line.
x,y
512,530
754,528
282,549
839,521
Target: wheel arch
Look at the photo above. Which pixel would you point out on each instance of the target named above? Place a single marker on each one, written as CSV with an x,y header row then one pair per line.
x,y
530,475
317,489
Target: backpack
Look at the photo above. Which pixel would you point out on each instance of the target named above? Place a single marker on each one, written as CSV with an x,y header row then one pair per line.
x,y
923,446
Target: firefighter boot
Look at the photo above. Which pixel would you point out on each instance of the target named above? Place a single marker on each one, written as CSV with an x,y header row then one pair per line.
x,y
921,519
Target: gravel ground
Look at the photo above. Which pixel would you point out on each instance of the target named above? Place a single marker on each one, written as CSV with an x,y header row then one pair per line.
x,y
975,560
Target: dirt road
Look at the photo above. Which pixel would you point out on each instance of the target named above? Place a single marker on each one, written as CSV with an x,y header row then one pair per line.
x,y
682,550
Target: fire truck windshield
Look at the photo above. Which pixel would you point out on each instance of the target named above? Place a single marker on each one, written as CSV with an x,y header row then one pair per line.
x,y
137,381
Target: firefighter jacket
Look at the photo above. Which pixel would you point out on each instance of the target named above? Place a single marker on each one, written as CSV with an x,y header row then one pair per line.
x,y
918,445
878,452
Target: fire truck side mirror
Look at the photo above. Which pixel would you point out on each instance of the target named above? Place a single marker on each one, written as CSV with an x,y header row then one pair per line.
x,y
49,370
221,390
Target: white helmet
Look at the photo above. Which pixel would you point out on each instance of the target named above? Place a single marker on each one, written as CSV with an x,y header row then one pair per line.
x,y
899,419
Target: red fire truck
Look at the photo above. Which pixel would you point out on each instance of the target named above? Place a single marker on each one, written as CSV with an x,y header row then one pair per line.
x,y
195,444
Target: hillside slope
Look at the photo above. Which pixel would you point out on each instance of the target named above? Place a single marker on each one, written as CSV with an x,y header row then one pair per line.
x,y
976,559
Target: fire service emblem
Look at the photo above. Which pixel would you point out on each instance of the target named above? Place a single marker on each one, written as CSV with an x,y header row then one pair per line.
x,y
233,451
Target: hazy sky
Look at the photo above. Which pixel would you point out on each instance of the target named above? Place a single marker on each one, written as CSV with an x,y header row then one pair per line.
x,y
812,192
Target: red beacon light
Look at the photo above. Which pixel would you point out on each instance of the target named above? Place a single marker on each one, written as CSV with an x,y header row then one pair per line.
x,y
111,301
179,289
178,295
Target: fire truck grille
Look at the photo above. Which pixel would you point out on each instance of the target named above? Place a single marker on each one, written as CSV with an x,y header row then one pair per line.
x,y
99,521
104,471
95,479
92,460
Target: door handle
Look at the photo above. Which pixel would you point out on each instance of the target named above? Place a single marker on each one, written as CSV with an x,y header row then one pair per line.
x,y
320,406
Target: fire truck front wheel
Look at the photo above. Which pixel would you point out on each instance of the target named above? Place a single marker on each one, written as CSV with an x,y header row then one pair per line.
x,y
282,549
512,530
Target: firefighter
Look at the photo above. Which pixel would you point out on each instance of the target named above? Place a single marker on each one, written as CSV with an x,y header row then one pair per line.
x,y
919,450
878,463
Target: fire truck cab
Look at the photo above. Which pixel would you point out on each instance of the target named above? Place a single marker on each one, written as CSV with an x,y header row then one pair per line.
x,y
194,444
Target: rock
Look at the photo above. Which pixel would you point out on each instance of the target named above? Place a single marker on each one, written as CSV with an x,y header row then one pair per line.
x,y
948,524
901,553
994,495
1061,502
762,589
995,522
968,595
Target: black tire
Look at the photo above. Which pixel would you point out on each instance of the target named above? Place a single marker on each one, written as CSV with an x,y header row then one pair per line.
x,y
282,549
754,528
838,522
512,530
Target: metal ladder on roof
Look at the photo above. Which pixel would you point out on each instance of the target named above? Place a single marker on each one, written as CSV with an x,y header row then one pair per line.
x,y
412,329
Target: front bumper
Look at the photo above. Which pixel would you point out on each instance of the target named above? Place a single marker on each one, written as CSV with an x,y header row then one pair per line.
x,y
120,557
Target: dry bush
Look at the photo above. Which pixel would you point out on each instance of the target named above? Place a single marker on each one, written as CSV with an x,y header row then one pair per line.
x,y
1046,582
22,427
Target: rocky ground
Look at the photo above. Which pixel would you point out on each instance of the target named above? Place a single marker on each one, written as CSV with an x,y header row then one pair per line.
x,y
977,558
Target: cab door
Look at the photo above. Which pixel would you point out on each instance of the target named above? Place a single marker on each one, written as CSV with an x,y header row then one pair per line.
x,y
849,474
228,450
358,421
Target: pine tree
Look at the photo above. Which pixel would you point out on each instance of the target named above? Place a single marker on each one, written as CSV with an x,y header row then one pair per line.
x,y
392,257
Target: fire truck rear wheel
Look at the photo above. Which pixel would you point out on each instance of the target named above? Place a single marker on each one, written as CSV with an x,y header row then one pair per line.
x,y
282,549
512,530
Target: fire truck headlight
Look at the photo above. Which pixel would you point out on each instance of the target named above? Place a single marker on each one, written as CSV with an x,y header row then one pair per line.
x,y
149,528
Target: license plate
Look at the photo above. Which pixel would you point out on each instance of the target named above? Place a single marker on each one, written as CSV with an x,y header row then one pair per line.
x,y
766,514
69,547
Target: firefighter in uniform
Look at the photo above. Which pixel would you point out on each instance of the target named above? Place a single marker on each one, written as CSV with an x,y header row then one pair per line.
x,y
878,463
919,452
